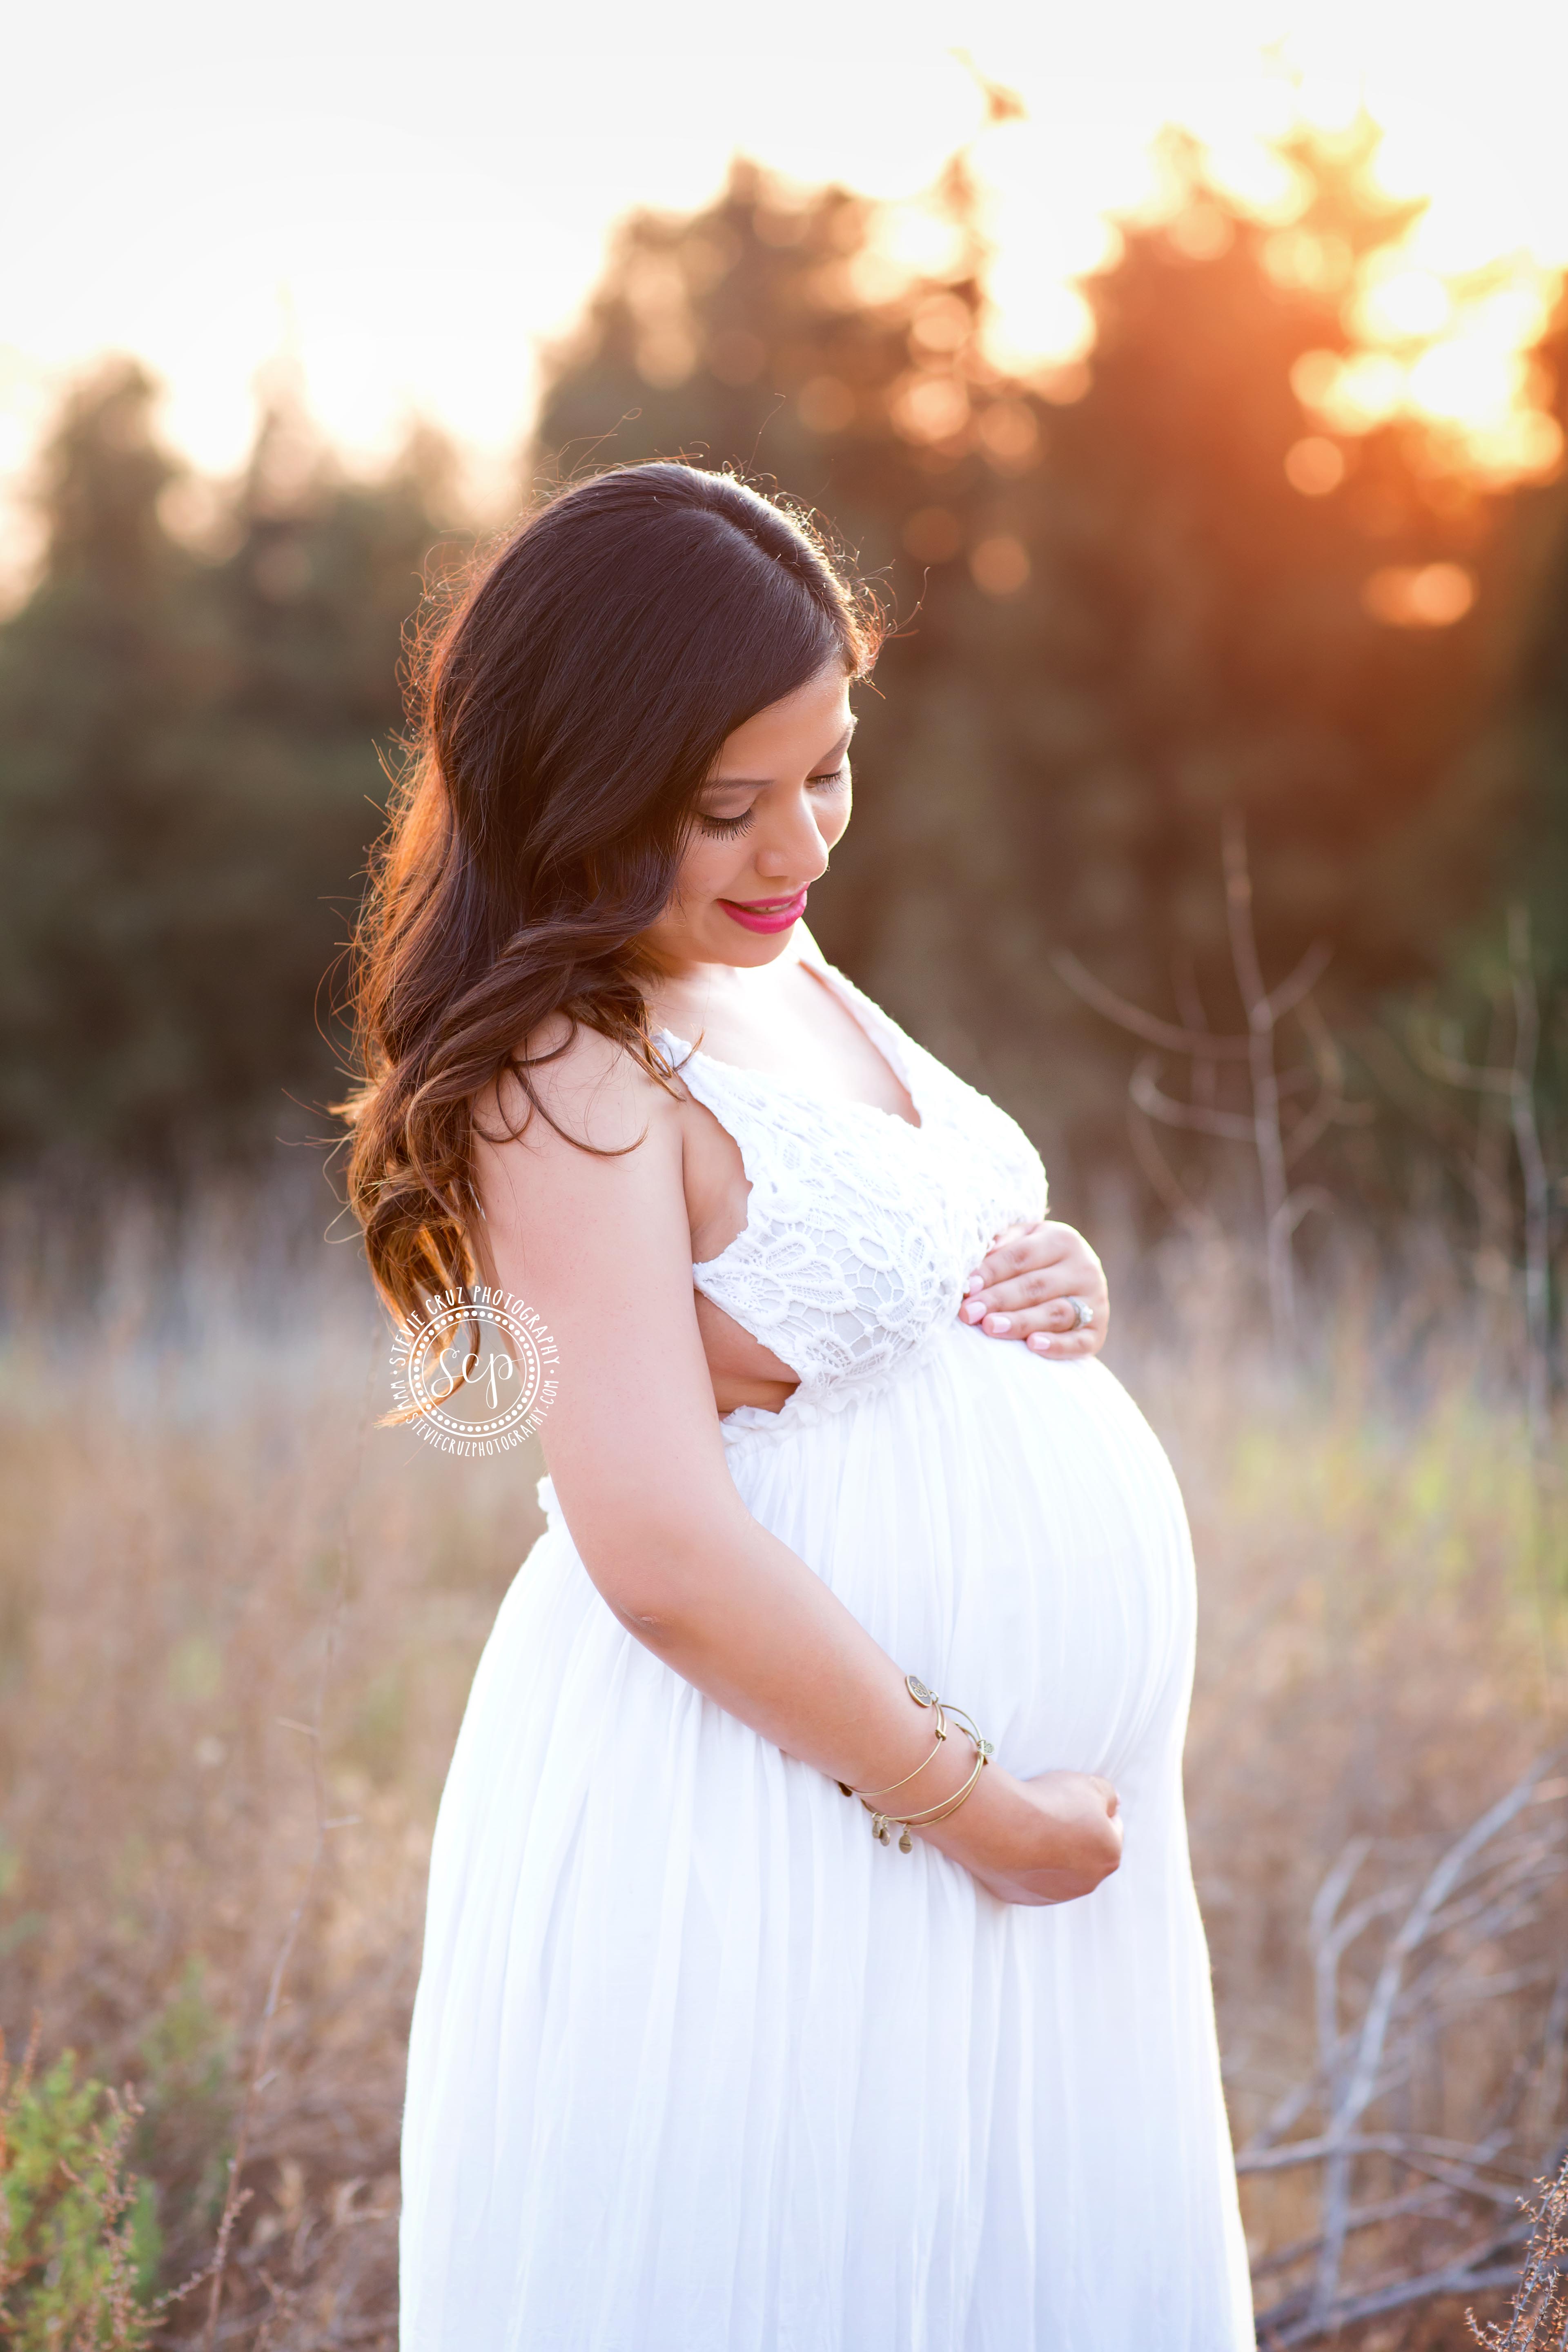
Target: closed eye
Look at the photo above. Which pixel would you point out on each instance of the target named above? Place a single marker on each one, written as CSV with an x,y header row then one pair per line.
x,y
725,828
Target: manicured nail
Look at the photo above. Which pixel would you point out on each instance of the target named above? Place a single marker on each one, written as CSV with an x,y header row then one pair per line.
x,y
1040,1339
976,1282
1000,1322
973,1310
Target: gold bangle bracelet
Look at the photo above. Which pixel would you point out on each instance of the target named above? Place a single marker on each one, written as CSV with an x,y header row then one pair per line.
x,y
881,1824
881,1821
894,1785
936,1811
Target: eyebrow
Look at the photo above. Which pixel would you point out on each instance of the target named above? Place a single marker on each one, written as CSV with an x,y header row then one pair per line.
x,y
755,783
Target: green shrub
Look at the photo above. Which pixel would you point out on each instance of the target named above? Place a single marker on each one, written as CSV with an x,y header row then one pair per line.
x,y
79,2236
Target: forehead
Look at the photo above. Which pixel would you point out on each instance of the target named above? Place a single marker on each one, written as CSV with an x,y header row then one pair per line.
x,y
803,726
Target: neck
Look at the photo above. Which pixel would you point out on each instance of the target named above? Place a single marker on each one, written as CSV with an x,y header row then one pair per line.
x,y
691,991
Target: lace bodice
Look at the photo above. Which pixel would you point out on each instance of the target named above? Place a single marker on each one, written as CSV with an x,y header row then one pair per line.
x,y
861,1229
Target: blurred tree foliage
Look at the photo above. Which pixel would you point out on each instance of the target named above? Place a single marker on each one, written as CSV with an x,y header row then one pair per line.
x,y
189,778
1120,618
1123,618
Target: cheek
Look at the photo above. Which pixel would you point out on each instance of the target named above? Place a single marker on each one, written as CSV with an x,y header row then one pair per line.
x,y
832,820
708,869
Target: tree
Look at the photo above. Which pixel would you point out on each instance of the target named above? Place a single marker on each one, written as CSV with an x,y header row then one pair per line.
x,y
1125,619
189,780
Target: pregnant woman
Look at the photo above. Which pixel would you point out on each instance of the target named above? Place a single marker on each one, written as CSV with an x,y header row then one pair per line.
x,y
811,1960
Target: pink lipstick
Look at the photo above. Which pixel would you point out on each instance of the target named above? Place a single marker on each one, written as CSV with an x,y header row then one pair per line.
x,y
765,914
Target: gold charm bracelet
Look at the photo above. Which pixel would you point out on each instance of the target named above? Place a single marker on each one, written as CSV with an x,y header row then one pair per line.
x,y
883,1822
894,1785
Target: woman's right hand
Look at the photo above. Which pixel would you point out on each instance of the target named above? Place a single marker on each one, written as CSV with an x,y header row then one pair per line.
x,y
1048,1840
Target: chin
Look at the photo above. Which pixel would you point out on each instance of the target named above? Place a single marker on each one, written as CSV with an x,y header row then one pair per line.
x,y
736,946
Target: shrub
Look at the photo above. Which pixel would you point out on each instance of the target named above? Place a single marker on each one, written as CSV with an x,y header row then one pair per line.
x,y
79,2236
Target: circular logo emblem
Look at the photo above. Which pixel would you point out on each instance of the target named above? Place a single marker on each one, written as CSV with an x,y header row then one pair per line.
x,y
478,1366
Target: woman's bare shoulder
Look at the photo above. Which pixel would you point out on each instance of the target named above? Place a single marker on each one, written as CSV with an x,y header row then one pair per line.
x,y
591,1085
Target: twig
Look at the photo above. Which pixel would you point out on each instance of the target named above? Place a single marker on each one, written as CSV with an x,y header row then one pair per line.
x,y
1415,2148
1540,2291
1262,1021
1365,2217
1458,2278
1201,1044
1161,1175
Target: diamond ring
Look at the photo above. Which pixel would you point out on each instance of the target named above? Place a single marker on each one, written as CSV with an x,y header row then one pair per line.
x,y
1082,1314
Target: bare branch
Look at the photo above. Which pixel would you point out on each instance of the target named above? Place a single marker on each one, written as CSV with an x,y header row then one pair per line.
x,y
1458,2278
1329,1110
1361,2085
1190,1006
1412,2147
1200,1043
1301,982
1238,915
1433,2197
1267,1140
1161,1175
1230,1125
1479,1079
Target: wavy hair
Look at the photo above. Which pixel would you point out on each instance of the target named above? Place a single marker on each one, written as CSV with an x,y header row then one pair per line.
x,y
566,719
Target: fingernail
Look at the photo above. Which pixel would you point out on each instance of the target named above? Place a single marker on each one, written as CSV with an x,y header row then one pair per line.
x,y
976,1282
1000,1322
973,1310
1041,1340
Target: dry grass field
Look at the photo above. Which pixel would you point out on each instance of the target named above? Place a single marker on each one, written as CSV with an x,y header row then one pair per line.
x,y
206,1552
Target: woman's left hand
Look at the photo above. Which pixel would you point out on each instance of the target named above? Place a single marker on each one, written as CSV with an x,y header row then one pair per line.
x,y
1021,1288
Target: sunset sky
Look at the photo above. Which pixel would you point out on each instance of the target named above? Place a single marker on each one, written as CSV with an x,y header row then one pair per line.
x,y
408,201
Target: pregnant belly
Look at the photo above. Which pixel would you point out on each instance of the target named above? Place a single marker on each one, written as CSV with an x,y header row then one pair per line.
x,y
1011,1531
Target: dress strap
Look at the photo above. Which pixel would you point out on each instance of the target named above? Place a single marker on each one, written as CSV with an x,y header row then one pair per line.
x,y
740,1101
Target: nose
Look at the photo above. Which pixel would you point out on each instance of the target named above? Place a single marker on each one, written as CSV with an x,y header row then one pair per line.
x,y
795,850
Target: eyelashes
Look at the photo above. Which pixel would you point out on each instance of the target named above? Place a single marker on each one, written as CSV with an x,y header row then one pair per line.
x,y
728,828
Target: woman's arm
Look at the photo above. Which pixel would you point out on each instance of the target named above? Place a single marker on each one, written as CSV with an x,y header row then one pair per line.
x,y
600,1248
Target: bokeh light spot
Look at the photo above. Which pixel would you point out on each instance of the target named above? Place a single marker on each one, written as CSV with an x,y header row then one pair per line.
x,y
1315,466
930,407
1419,596
1000,565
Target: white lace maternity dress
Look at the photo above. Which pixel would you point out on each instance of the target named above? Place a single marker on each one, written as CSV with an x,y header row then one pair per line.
x,y
695,2064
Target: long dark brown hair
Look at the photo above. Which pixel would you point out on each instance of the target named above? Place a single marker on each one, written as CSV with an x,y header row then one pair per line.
x,y
565,721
